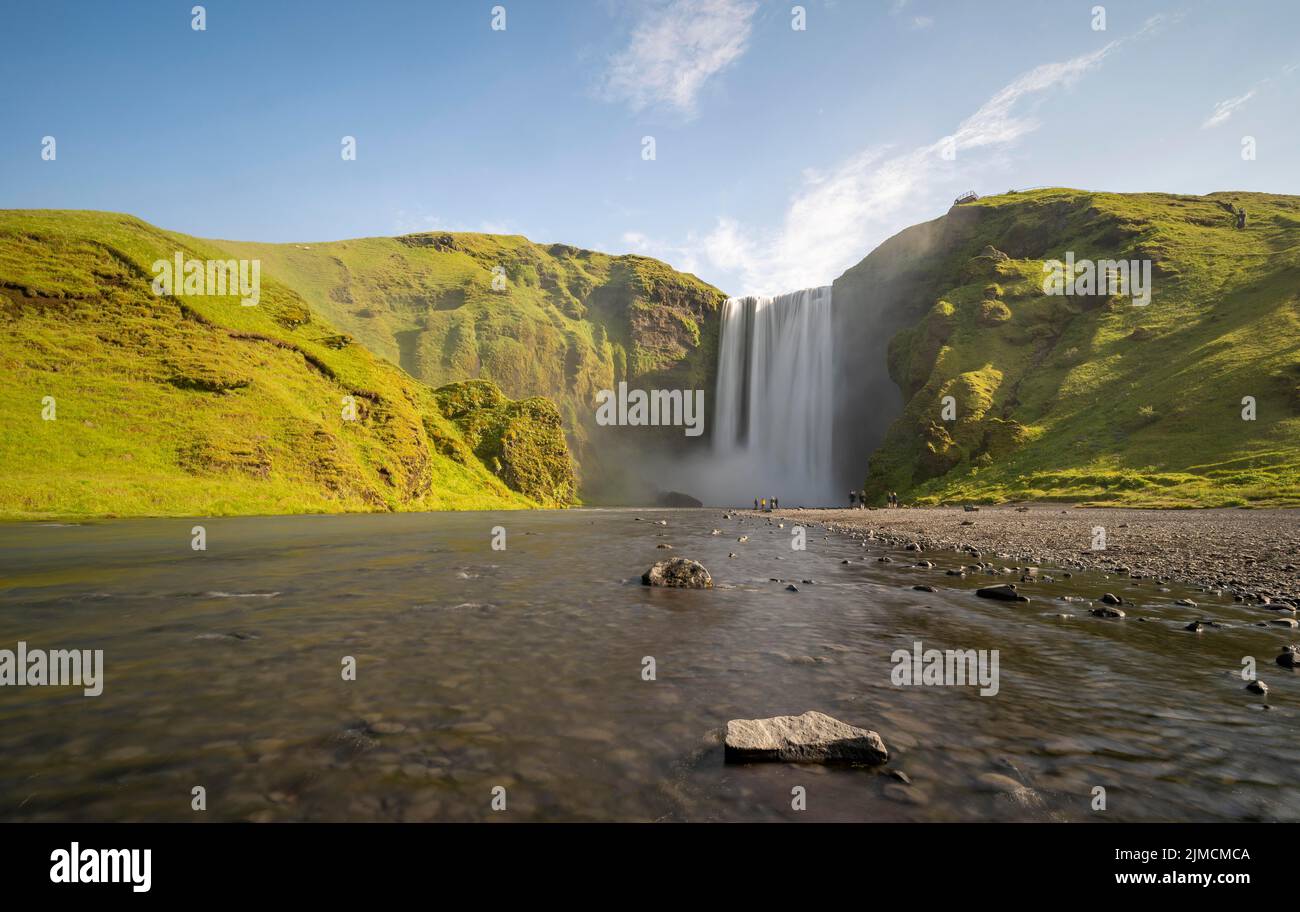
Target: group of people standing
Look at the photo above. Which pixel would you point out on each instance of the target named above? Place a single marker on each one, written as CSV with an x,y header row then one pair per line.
x,y
858,499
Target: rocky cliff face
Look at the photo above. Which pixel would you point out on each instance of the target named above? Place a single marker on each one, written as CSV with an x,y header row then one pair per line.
x,y
996,390
873,302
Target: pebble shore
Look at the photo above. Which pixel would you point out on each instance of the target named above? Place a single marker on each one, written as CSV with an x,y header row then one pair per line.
x,y
1251,555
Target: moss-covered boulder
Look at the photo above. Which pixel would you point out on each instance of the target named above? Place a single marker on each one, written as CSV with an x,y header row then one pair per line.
x,y
521,442
993,312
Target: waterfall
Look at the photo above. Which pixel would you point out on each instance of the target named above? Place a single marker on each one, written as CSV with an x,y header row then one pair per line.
x,y
773,408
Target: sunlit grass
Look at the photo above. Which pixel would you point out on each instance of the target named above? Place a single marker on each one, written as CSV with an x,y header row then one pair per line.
x,y
196,405
1096,399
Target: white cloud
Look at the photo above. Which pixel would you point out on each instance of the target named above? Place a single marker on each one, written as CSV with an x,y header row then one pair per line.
x,y
898,7
838,216
675,49
406,222
995,122
1223,110
497,227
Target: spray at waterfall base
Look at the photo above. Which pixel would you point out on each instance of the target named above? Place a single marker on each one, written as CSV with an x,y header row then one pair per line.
x,y
770,422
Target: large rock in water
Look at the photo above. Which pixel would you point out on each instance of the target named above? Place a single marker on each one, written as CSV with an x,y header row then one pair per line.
x,y
811,738
678,572
1005,592
677,499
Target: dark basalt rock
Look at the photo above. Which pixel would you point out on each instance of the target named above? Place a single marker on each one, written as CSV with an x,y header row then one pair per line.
x,y
679,573
678,500
1005,592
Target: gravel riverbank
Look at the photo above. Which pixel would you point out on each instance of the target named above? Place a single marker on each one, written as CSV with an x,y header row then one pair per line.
x,y
1249,554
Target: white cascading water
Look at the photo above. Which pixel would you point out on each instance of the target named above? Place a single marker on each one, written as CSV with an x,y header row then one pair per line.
x,y
773,408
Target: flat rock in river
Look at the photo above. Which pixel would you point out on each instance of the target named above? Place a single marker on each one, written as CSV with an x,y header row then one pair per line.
x,y
813,737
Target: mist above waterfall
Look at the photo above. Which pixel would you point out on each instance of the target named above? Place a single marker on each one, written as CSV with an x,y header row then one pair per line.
x,y
773,408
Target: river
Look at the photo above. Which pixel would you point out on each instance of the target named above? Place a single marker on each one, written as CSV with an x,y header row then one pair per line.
x,y
518,675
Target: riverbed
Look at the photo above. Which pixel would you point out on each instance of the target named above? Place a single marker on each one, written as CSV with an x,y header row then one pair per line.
x,y
512,684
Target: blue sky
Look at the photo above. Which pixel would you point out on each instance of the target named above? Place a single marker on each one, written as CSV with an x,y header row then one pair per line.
x,y
781,156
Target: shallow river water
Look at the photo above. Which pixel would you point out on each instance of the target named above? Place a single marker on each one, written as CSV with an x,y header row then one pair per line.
x,y
523,669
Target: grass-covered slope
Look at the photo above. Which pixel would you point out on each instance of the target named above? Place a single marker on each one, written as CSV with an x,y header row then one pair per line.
x,y
195,405
1093,398
561,322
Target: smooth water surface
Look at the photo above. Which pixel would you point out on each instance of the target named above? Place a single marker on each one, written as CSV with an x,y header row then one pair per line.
x,y
523,668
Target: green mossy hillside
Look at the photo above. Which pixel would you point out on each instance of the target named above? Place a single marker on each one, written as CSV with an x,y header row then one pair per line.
x,y
536,319
1093,398
195,405
521,441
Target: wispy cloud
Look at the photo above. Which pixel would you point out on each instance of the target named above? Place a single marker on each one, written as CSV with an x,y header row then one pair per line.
x,y
407,222
997,122
835,218
899,7
1223,109
675,49
1226,108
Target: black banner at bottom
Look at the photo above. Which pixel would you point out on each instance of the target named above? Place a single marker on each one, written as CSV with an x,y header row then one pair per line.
x,y
342,861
